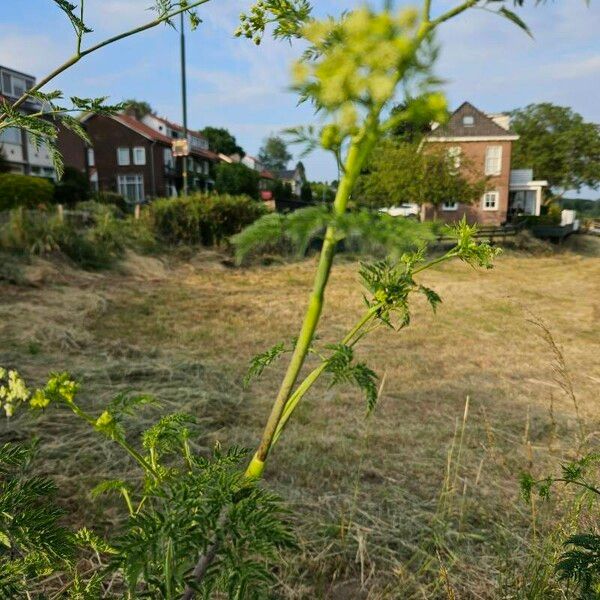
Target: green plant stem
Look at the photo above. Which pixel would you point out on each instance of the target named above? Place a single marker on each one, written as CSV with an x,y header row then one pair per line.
x,y
359,149
312,377
82,53
129,449
453,12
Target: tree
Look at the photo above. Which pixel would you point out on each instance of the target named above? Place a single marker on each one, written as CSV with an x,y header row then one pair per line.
x,y
401,172
222,141
274,154
237,179
411,129
559,145
74,187
139,108
306,194
282,190
323,191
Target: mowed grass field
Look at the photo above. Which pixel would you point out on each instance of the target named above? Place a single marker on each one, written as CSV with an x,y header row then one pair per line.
x,y
421,500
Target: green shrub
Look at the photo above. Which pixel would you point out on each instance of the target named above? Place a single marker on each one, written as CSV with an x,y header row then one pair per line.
x,y
74,187
237,179
22,190
112,198
202,219
95,247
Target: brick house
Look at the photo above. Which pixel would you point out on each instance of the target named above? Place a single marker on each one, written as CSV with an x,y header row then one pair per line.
x,y
16,145
485,141
134,157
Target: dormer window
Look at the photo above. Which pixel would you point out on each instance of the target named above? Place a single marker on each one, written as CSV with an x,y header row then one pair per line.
x,y
468,120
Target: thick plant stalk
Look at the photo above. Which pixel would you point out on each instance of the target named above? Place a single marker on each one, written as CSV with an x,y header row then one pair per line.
x,y
359,149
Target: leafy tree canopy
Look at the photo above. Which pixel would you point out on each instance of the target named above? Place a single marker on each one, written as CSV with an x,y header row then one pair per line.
x,y
408,130
221,140
237,179
140,108
323,191
274,154
558,144
401,172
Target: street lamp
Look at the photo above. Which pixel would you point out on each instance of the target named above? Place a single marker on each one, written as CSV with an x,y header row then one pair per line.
x,y
184,103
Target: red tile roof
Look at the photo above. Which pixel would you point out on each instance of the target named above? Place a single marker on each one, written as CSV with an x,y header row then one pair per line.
x,y
142,129
267,175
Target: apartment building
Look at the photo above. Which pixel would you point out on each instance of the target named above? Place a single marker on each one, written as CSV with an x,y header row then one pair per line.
x,y
17,146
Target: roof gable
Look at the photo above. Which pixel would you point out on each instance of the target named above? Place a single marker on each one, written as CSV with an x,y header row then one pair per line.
x,y
133,124
482,125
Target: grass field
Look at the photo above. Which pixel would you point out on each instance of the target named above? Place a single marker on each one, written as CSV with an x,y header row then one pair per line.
x,y
421,500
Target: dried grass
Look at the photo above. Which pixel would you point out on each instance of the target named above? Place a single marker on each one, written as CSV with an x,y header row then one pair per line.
x,y
184,330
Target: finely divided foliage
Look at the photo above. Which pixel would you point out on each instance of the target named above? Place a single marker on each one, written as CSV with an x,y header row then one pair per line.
x,y
197,526
172,510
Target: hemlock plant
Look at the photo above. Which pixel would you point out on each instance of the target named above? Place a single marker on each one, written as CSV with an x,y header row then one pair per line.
x,y
201,526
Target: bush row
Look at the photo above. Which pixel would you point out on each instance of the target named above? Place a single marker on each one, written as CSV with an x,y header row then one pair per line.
x,y
202,219
33,192
95,235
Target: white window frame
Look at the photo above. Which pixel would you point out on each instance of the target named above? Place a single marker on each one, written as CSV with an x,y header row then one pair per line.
x,y
496,202
91,157
468,121
450,206
493,160
135,179
121,160
139,156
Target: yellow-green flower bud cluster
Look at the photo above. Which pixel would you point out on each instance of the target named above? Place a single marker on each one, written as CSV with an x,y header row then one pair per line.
x,y
13,391
359,62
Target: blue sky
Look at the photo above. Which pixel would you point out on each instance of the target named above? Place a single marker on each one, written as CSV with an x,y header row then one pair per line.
x,y
234,84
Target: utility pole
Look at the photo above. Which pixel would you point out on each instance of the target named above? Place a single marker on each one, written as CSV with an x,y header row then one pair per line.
x,y
184,105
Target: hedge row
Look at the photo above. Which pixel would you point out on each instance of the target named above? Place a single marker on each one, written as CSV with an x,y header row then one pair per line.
x,y
203,218
21,190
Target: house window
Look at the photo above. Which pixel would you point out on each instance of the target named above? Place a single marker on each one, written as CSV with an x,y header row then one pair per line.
x,y
91,156
493,160
206,168
131,187
454,156
450,206
468,120
168,158
139,155
19,86
491,201
11,135
123,159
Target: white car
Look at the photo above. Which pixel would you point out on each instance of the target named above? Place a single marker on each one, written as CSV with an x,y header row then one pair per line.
x,y
403,210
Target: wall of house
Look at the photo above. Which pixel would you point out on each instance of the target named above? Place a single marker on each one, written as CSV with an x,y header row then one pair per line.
x,y
107,136
474,152
72,148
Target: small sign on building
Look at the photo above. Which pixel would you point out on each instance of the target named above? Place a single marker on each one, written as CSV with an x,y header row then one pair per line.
x,y
180,148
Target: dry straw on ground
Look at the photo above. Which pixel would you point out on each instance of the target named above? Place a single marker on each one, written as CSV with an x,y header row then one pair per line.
x,y
435,511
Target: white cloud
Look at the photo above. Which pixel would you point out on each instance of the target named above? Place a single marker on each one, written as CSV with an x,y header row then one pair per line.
x,y
572,68
31,53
